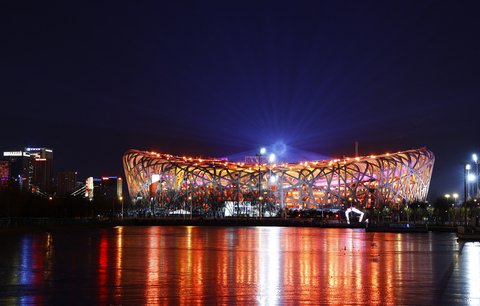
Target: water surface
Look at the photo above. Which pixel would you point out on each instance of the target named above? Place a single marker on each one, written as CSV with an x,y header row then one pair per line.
x,y
236,265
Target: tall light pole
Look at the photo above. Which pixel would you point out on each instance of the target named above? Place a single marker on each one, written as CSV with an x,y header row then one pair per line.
x,y
121,201
465,174
186,197
455,196
273,179
260,198
191,206
475,160
447,196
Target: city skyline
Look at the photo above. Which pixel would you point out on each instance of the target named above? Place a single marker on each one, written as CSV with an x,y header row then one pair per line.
x,y
223,79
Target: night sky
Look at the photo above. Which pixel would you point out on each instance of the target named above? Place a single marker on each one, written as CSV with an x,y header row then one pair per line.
x,y
306,79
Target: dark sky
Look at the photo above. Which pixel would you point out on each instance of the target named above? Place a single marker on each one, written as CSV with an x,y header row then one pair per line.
x,y
224,78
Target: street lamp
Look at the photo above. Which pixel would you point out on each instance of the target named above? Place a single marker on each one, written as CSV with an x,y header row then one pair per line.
x,y
186,196
447,196
465,174
259,160
455,196
121,202
475,160
191,206
273,181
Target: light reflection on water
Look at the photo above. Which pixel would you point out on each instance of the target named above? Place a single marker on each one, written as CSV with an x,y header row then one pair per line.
x,y
236,265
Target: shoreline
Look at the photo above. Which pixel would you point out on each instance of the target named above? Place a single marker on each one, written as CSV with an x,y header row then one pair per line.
x,y
18,223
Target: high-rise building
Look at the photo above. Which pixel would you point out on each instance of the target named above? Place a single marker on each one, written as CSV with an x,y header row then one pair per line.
x,y
66,182
108,187
31,169
42,168
20,168
4,173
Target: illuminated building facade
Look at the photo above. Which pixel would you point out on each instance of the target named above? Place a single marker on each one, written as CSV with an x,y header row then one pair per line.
x,y
42,159
20,168
4,173
198,184
31,169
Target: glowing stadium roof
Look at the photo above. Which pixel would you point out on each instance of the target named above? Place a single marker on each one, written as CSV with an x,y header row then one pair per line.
x,y
368,180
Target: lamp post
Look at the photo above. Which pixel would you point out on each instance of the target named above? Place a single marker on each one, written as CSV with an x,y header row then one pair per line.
x,y
471,178
455,196
260,198
186,197
162,198
465,174
191,206
121,202
190,197
475,160
447,196
273,179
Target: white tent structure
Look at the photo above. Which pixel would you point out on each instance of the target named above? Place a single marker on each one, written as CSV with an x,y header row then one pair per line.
x,y
353,209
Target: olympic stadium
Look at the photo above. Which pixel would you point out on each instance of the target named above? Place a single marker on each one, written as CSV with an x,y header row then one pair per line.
x,y
197,186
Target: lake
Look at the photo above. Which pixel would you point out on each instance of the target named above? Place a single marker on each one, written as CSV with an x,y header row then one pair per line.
x,y
134,265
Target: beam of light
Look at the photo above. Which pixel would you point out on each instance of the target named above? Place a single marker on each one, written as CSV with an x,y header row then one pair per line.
x,y
272,158
283,153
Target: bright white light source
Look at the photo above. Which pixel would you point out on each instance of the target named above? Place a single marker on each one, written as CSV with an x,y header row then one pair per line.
x,y
272,157
474,157
263,151
471,177
467,166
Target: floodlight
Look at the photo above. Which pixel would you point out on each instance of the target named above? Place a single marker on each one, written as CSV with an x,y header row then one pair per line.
x,y
272,157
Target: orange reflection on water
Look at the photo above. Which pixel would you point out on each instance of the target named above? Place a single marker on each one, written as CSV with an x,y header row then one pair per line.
x,y
240,265
152,289
197,268
338,266
118,264
185,264
269,265
243,253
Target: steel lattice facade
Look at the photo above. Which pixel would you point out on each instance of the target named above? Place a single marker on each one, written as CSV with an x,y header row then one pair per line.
x,y
367,181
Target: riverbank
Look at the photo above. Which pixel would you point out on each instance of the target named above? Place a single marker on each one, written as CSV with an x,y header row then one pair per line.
x,y
289,222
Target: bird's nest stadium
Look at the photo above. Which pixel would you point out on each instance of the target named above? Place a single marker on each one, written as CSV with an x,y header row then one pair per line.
x,y
180,184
